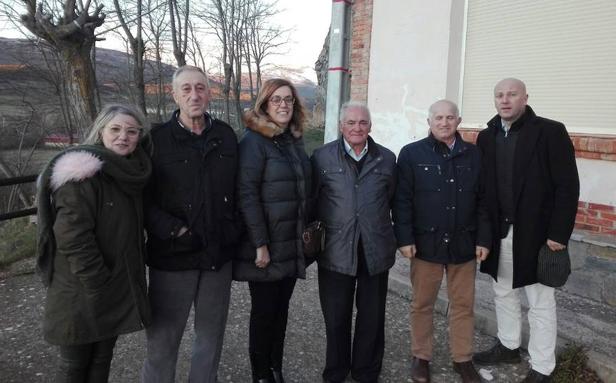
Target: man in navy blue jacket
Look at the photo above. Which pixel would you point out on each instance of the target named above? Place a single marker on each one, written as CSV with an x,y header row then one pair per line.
x,y
441,224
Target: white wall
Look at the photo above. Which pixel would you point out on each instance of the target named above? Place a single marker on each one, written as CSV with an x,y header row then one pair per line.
x,y
415,59
409,60
597,181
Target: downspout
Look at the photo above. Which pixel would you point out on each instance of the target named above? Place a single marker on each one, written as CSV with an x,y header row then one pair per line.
x,y
338,66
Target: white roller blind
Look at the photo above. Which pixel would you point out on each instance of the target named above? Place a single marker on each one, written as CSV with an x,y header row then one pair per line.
x,y
564,50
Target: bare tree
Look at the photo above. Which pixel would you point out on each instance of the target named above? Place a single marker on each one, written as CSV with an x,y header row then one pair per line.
x,y
238,33
262,38
20,160
69,29
157,26
179,18
247,38
137,47
226,19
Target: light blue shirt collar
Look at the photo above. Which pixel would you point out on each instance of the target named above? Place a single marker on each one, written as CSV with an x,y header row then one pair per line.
x,y
452,145
351,152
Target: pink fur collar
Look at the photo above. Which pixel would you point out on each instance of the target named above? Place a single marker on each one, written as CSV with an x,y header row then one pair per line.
x,y
74,166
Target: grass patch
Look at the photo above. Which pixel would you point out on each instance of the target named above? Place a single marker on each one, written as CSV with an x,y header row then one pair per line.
x,y
17,240
571,367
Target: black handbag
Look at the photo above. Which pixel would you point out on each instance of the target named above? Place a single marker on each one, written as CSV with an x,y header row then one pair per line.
x,y
314,239
553,267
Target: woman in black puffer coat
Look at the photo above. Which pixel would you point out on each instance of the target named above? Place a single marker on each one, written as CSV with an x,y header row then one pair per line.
x,y
273,187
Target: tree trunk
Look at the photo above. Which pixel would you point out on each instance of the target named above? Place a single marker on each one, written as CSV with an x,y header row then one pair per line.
x,y
138,69
226,91
80,85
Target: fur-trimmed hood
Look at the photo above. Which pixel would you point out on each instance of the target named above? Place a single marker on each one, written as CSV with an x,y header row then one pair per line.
x,y
266,127
74,166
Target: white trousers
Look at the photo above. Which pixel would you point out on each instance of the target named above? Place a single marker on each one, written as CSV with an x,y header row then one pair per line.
x,y
541,313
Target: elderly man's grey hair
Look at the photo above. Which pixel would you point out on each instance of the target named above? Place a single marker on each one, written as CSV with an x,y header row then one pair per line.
x,y
189,68
453,105
353,104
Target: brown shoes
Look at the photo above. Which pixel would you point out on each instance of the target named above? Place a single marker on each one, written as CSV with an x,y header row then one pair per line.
x,y
467,372
420,370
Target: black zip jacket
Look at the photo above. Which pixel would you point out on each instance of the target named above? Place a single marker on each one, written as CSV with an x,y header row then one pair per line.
x,y
192,185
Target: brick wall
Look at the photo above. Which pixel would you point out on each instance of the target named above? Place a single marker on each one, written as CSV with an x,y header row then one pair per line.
x,y
361,33
596,218
591,217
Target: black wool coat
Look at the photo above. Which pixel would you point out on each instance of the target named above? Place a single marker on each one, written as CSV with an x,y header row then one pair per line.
x,y
273,187
439,206
545,191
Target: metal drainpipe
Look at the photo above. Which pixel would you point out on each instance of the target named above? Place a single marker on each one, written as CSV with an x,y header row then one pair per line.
x,y
338,71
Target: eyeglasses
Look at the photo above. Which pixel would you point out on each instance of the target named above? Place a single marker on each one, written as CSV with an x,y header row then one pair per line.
x,y
130,132
352,123
277,100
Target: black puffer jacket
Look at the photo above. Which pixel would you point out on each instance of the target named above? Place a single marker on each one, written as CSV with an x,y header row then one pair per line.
x,y
439,206
273,185
192,185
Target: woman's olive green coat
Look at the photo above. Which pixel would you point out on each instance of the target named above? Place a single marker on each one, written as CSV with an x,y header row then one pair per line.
x,y
97,289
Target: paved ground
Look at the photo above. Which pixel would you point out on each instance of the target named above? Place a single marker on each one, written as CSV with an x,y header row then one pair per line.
x,y
25,357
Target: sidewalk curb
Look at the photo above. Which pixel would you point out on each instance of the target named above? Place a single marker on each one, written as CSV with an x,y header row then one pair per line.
x,y
485,321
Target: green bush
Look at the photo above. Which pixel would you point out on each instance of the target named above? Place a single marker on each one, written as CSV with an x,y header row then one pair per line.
x,y
17,240
571,367
313,138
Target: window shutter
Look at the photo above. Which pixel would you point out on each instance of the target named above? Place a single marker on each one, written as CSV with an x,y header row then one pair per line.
x,y
564,50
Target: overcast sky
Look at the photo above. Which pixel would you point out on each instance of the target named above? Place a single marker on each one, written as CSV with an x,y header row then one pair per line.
x,y
311,19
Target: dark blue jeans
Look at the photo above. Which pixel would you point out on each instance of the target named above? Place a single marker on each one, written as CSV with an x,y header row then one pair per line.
x,y
85,363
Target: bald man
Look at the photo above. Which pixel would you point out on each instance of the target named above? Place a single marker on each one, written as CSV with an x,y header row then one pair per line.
x,y
532,189
442,226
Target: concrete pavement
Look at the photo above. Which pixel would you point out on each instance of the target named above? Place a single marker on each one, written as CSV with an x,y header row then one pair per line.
x,y
25,357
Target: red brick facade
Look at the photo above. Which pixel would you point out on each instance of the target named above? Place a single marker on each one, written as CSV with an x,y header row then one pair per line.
x,y
591,217
361,33
596,218
594,147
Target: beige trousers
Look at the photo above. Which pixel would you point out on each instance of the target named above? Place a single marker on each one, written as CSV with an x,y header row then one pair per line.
x,y
426,280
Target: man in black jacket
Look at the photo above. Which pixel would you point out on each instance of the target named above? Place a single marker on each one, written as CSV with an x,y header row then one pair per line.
x,y
532,189
441,224
190,212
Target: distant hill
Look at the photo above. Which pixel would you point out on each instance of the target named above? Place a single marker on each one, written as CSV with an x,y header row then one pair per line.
x,y
26,86
111,65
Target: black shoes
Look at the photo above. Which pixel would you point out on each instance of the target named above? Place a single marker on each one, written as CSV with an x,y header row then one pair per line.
x,y
420,370
467,372
497,354
277,376
535,377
